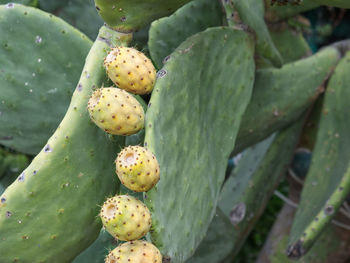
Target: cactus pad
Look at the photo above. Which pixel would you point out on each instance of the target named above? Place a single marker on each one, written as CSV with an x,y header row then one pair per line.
x,y
190,19
280,96
137,168
116,111
135,251
217,243
254,18
241,201
132,15
79,13
125,217
192,134
328,181
36,90
73,172
290,42
130,70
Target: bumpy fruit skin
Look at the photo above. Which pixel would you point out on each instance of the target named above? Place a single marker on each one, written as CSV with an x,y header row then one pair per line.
x,y
116,111
137,168
135,251
125,217
130,70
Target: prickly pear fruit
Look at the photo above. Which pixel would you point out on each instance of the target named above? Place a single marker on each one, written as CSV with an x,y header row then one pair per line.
x,y
135,251
116,111
125,217
137,168
130,70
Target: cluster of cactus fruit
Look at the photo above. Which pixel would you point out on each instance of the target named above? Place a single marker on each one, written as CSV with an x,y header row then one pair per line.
x,y
145,158
117,112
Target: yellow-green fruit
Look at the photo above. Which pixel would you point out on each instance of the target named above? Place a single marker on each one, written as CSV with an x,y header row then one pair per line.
x,y
135,252
125,217
137,168
131,70
116,111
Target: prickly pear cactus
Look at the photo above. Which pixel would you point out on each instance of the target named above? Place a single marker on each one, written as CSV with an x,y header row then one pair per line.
x,y
237,86
290,42
49,62
79,13
186,91
132,15
240,201
328,180
190,19
70,166
267,113
254,18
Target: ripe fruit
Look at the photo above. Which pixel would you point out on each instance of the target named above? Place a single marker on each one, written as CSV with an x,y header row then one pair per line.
x,y
125,217
135,251
137,168
116,111
130,70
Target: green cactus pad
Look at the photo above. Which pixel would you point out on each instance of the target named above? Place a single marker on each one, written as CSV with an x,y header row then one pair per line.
x,y
280,96
331,246
246,193
328,180
229,229
251,13
79,13
132,15
167,33
66,182
220,238
194,112
217,242
290,42
39,67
